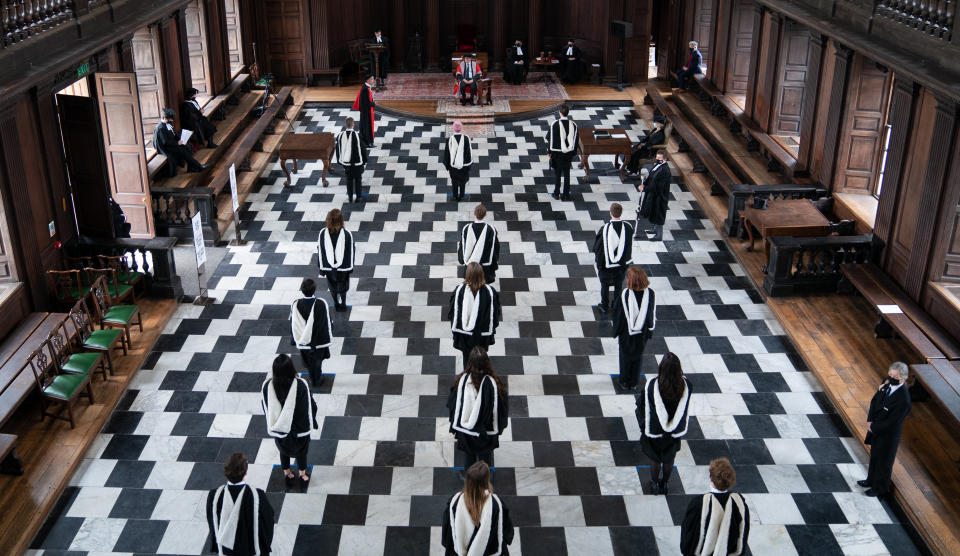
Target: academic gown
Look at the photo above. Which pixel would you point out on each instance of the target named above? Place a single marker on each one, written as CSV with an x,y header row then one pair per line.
x,y
886,415
632,345
613,271
458,173
656,195
192,118
571,68
488,317
384,57
244,543
364,104
487,420
463,70
297,440
560,158
656,443
337,276
319,343
513,72
358,152
499,538
690,531
642,149
487,255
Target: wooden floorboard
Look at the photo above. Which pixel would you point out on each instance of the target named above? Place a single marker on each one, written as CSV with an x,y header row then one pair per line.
x,y
51,450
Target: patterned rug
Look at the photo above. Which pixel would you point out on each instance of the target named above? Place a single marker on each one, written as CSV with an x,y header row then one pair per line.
x,y
451,107
428,86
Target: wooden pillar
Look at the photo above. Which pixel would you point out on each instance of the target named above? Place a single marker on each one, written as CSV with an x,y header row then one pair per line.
x,y
767,70
717,71
933,180
755,48
811,91
176,77
838,93
433,35
534,39
500,24
319,23
48,134
398,33
125,47
901,111
218,59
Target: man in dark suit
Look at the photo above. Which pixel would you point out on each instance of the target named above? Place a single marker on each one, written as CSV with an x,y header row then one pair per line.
x,y
378,38
888,408
192,118
167,143
642,149
691,68
656,195
516,69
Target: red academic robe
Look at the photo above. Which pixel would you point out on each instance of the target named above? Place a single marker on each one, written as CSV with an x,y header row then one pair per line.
x,y
364,104
477,73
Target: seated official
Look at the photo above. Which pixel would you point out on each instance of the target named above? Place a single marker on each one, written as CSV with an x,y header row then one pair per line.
x,y
515,71
692,68
571,63
641,150
167,143
192,118
468,74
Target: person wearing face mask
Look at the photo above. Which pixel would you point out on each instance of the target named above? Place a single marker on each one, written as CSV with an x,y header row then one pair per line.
x,y
570,63
888,408
655,198
516,69
381,40
691,68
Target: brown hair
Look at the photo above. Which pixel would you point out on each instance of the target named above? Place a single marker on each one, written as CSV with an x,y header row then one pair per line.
x,y
474,277
479,212
564,109
476,488
670,377
478,366
722,474
637,279
663,152
616,209
334,220
235,467
348,122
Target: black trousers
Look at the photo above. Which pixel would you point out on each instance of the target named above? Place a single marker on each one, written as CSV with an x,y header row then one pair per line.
x,y
459,185
474,457
295,448
206,129
661,471
883,452
682,76
313,363
354,189
561,169
605,287
180,155
630,370
463,90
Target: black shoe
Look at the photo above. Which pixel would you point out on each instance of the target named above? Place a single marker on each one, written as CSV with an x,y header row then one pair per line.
x,y
212,145
564,197
555,195
654,487
664,489
602,308
864,483
872,493
624,386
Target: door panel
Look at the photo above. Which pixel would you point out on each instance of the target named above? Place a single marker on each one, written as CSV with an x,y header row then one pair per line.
x,y
149,68
194,19
85,164
794,61
863,128
285,41
119,105
234,47
741,41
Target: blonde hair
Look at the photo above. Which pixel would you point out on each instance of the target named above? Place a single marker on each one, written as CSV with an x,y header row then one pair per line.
x,y
476,489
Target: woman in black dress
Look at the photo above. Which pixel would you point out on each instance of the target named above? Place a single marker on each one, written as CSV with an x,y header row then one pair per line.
x,y
478,409
717,523
336,250
663,414
474,312
310,330
634,318
475,521
291,415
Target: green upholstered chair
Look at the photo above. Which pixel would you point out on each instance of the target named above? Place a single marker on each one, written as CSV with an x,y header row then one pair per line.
x,y
100,341
78,263
121,292
70,362
114,316
59,389
125,275
67,286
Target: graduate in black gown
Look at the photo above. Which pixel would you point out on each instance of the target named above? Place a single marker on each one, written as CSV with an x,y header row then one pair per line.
x,y
364,105
350,151
634,318
641,150
479,244
663,411
240,516
336,255
192,118
655,199
613,253
475,521
478,409
571,63
515,70
167,142
291,414
474,312
310,328
888,408
717,523
458,158
562,142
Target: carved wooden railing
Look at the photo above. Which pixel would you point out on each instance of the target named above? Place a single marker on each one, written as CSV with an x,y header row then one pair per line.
x,y
153,257
23,19
931,17
173,207
741,194
812,264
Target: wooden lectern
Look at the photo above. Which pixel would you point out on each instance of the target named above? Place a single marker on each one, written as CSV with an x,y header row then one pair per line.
x,y
376,50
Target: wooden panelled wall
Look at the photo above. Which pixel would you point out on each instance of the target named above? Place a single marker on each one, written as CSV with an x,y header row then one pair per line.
x,y
294,36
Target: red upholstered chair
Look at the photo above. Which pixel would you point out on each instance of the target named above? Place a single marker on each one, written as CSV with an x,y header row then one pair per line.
x,y
466,38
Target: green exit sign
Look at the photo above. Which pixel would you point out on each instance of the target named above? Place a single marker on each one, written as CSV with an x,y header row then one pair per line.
x,y
83,69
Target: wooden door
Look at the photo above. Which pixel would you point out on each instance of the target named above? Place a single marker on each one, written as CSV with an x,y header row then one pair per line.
x,y
149,69
234,46
124,150
195,22
80,131
285,40
861,139
703,29
741,42
793,66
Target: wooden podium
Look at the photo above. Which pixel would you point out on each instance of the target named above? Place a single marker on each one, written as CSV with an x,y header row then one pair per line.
x,y
376,50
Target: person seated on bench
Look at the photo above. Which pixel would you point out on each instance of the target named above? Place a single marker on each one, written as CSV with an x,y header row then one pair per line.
x,y
167,143
516,70
192,118
642,149
468,73
888,408
692,68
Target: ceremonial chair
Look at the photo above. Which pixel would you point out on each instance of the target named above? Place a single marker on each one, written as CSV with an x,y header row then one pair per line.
x,y
61,389
114,316
116,290
125,275
67,286
91,339
359,56
73,362
466,38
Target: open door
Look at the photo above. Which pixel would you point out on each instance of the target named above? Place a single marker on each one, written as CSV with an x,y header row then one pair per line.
x,y
125,158
80,130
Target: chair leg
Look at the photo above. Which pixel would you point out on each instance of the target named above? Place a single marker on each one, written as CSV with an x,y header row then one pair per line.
x,y
43,409
140,321
90,393
123,344
70,414
109,364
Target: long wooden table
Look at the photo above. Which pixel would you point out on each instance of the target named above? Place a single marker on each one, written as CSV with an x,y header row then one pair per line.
x,y
785,217
309,146
617,143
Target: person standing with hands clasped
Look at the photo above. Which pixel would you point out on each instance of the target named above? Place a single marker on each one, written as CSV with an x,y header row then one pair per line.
x,y
457,158
613,252
562,142
474,312
663,411
336,250
291,415
654,198
888,408
475,521
634,318
717,523
310,328
351,153
478,408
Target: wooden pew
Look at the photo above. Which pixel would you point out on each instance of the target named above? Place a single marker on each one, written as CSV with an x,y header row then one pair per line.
x,y
230,96
705,157
941,380
332,74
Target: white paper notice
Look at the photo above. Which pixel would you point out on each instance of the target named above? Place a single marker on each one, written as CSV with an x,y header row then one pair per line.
x,y
198,245
185,135
890,309
233,187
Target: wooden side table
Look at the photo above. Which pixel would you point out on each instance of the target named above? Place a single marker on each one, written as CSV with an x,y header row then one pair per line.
x,y
309,146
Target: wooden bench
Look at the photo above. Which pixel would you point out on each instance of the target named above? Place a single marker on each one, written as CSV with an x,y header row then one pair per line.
x,y
705,157
230,96
899,313
333,74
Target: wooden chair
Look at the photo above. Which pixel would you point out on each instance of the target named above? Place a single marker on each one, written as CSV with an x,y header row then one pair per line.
x,y
78,263
114,316
57,388
360,57
483,91
125,275
119,291
100,341
70,362
67,286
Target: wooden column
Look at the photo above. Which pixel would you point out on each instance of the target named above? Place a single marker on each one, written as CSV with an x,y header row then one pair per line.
x,y
398,33
901,111
500,24
433,35
838,93
48,134
218,59
176,77
717,71
936,171
533,20
756,47
125,46
319,23
811,90
767,70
